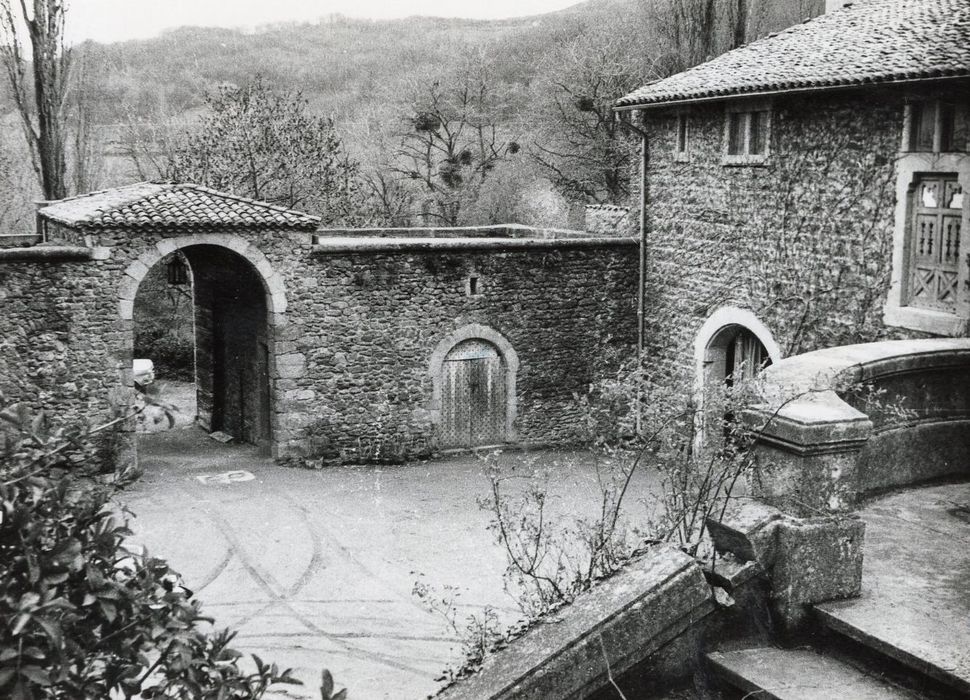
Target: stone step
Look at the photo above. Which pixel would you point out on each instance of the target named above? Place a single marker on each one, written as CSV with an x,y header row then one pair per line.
x,y
923,640
769,673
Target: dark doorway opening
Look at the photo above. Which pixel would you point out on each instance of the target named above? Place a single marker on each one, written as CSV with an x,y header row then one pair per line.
x,y
230,339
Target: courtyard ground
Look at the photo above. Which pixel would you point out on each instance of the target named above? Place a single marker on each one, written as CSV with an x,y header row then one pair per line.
x,y
316,568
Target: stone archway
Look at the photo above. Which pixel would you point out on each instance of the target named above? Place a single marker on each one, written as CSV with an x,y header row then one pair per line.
x,y
238,300
490,348
732,342
714,328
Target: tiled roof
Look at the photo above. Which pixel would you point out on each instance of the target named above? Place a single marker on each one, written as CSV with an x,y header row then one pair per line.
x,y
166,205
868,42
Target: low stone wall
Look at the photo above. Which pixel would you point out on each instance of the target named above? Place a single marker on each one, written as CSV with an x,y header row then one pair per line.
x,y
846,421
371,318
623,620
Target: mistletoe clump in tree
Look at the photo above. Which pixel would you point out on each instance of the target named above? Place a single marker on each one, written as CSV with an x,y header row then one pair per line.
x,y
269,146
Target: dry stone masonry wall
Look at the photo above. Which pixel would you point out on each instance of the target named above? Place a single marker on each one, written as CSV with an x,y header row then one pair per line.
x,y
349,335
803,240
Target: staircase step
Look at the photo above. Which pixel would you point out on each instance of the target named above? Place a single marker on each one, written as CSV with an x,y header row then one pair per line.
x,y
768,673
938,647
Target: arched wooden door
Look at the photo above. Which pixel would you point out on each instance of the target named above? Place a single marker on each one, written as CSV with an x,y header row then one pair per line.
x,y
473,395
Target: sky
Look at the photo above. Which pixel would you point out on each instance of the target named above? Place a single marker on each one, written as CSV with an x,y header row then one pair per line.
x,y
117,20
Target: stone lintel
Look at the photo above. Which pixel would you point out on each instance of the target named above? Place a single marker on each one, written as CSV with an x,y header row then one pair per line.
x,y
626,618
49,253
349,244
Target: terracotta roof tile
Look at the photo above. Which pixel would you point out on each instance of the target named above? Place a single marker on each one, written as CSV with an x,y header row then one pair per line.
x,y
166,205
871,41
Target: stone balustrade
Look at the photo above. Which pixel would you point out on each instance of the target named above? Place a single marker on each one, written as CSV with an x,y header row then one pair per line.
x,y
846,421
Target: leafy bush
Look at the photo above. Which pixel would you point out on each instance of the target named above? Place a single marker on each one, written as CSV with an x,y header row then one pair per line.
x,y
82,614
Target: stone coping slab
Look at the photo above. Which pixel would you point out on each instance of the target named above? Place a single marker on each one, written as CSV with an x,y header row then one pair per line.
x,y
51,253
822,369
620,622
803,409
491,231
358,244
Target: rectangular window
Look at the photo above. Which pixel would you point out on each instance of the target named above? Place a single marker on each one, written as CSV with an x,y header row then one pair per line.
x,y
747,135
683,135
735,133
758,135
935,126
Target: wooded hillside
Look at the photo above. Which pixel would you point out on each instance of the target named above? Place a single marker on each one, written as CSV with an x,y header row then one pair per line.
x,y
527,98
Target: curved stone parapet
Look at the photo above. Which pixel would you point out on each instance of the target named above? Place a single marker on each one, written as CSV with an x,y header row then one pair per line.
x,y
841,422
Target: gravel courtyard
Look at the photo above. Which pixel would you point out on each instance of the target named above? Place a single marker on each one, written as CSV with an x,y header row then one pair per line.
x,y
316,568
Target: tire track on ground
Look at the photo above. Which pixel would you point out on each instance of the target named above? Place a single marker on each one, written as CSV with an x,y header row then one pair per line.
x,y
280,599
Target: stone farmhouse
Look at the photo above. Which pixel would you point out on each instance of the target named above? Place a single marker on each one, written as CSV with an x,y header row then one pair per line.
x,y
337,345
806,190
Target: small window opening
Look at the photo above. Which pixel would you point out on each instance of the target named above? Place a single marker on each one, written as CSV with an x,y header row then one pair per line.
x,y
747,135
473,286
735,134
682,135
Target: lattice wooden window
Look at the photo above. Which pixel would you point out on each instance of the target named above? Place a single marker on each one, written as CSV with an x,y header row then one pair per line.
x,y
935,243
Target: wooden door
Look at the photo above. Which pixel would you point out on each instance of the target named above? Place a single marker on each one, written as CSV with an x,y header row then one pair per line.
x,y
473,396
935,254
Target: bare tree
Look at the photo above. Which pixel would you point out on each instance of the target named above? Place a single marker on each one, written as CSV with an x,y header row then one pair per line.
x,y
40,98
265,144
453,140
579,145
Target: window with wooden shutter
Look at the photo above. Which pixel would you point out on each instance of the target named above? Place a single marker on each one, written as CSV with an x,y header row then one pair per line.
x,y
935,243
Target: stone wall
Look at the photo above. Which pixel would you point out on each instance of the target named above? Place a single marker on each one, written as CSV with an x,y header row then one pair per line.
x,y
569,315
348,335
611,220
803,240
58,341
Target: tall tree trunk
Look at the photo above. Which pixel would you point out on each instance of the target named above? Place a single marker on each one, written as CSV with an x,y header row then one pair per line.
x,y
740,24
50,64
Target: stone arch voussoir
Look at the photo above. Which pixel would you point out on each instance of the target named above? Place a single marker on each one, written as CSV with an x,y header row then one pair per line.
x,y
139,268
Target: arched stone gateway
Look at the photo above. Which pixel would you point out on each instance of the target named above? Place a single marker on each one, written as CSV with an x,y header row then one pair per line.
x,y
473,372
334,327
137,270
237,298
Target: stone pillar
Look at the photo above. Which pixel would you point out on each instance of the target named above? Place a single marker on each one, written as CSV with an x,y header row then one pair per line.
x,y
806,560
806,454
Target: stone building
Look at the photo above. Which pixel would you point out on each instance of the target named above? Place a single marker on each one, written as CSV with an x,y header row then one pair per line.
x,y
806,190
342,345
